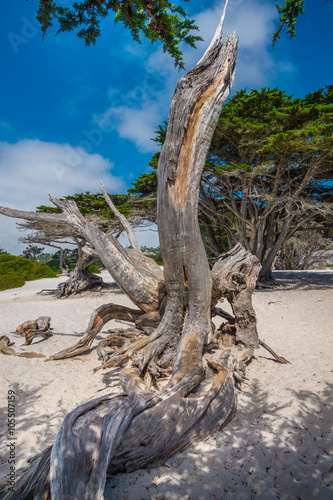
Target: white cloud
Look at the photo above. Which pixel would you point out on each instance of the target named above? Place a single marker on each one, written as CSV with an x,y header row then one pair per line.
x,y
30,169
135,124
147,236
135,115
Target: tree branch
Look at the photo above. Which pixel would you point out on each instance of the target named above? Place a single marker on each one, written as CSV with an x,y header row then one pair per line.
x,y
126,225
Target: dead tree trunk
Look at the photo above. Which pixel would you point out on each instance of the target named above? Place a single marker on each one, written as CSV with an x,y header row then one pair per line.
x,y
166,376
80,278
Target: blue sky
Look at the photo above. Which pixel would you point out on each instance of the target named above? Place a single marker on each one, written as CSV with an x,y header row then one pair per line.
x,y
71,116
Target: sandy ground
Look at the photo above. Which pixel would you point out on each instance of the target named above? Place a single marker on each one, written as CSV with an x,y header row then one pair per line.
x,y
277,446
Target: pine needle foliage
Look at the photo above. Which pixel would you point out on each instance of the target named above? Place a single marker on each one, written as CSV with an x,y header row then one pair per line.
x,y
156,20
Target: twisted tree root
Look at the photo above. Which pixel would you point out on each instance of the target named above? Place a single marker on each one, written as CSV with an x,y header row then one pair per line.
x,y
97,320
118,433
5,348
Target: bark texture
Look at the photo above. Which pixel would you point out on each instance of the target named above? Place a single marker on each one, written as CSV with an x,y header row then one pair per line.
x,y
5,348
39,326
174,392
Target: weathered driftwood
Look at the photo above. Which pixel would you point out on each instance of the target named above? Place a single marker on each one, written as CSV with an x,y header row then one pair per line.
x,y
80,278
116,339
30,329
5,348
235,275
79,281
5,344
126,225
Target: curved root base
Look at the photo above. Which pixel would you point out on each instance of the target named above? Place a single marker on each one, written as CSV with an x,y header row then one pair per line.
x,y
98,319
80,282
123,433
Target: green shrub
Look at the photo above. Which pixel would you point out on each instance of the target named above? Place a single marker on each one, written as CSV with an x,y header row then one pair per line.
x,y
28,269
39,271
158,258
94,269
11,281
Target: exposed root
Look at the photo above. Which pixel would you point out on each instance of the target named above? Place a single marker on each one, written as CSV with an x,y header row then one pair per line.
x,y
217,311
127,432
138,430
140,352
278,358
117,339
143,350
235,275
33,482
97,320
80,281
5,344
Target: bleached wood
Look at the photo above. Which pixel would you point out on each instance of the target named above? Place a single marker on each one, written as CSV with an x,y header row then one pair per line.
x,y
135,429
128,228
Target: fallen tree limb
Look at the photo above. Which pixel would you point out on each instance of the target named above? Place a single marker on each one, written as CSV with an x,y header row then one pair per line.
x,y
124,222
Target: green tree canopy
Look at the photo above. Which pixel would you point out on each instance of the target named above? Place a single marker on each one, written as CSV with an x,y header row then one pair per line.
x,y
94,206
155,20
32,252
270,167
289,12
268,173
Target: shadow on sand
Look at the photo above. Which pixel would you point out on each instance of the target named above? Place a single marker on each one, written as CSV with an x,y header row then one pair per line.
x,y
261,454
314,280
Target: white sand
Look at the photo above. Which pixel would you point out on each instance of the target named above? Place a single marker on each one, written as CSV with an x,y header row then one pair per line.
x,y
278,444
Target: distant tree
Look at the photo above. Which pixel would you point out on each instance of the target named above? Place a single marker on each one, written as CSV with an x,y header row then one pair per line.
x,y
58,260
55,236
51,235
95,208
304,250
32,252
268,173
269,170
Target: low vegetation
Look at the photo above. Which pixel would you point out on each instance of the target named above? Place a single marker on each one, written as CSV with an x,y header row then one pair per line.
x,y
93,268
8,281
14,271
